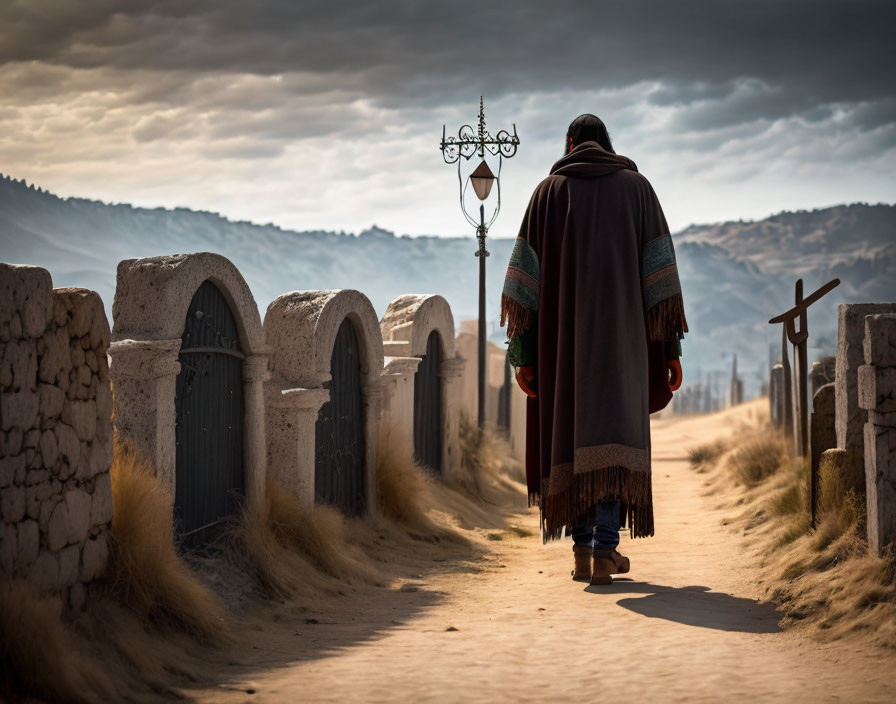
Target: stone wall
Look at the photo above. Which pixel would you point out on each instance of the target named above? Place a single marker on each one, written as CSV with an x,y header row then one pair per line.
x,y
467,341
517,431
877,394
55,416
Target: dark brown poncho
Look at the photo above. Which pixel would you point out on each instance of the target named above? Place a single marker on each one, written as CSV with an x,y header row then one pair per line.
x,y
591,280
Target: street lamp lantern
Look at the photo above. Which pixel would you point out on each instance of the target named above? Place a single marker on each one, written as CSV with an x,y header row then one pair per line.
x,y
460,149
482,179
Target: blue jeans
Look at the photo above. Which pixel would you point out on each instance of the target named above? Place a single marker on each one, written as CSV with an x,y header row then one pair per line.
x,y
603,533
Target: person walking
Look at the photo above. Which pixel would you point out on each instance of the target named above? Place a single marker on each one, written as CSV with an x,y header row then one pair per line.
x,y
594,315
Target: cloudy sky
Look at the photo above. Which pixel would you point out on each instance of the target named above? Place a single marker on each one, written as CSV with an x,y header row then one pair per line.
x,y
328,114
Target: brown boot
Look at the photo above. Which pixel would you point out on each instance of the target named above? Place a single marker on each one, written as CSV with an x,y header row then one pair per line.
x,y
623,564
606,564
582,572
604,567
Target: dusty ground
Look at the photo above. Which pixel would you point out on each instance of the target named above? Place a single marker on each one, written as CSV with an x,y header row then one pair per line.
x,y
513,626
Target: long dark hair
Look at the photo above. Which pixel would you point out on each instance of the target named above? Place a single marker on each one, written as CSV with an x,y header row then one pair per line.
x,y
588,128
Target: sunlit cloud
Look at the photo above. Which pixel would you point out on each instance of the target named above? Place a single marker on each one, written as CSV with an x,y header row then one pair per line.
x,y
311,118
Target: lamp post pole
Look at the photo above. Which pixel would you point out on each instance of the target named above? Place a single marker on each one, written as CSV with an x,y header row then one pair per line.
x,y
482,253
467,144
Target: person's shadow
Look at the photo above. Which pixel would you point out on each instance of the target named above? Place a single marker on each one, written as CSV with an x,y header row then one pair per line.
x,y
694,606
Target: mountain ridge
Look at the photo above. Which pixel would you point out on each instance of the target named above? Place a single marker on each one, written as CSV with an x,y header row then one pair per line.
x,y
735,275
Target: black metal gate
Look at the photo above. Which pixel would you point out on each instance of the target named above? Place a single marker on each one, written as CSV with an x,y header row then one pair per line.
x,y
209,420
504,398
428,406
339,477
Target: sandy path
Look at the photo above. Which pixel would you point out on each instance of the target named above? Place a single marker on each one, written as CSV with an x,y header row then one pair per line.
x,y
685,628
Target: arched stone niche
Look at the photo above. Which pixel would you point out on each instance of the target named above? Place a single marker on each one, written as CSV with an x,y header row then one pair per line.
x,y
407,325
302,327
152,297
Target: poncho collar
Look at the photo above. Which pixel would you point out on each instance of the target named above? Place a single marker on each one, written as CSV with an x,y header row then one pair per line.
x,y
590,160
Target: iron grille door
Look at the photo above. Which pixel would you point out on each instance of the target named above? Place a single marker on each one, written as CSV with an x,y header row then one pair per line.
x,y
428,406
209,421
339,477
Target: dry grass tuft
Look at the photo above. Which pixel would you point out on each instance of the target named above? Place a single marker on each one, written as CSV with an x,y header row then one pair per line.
x,y
404,491
38,659
319,534
254,548
823,578
706,453
757,460
145,572
474,457
488,472
840,494
790,497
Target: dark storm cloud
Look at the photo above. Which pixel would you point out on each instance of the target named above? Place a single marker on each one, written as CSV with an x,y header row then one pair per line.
x,y
797,54
255,109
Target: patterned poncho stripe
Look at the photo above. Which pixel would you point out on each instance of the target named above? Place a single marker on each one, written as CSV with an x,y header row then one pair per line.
x,y
663,304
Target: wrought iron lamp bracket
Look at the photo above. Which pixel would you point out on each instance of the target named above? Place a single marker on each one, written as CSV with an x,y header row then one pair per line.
x,y
478,142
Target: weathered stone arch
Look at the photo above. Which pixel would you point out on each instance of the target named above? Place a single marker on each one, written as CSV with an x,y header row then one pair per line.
x,y
152,296
407,324
410,319
301,327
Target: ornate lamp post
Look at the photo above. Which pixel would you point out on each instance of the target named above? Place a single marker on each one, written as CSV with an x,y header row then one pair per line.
x,y
465,146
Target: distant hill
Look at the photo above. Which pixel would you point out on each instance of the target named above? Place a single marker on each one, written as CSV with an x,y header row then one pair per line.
x,y
741,271
735,275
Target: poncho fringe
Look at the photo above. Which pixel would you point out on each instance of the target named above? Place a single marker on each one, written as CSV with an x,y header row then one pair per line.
x,y
515,315
665,320
576,505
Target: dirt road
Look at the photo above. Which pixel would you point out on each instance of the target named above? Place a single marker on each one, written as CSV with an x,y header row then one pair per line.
x,y
686,627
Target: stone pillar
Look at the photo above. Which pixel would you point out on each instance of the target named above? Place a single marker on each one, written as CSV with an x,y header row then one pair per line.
x,y
877,394
822,435
145,373
397,412
776,395
255,374
452,373
823,372
371,397
850,356
292,417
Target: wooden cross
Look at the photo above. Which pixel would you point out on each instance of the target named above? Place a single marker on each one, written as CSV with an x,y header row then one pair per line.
x,y
798,339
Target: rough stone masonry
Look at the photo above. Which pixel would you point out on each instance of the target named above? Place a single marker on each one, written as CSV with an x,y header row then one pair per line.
x,y
56,439
877,394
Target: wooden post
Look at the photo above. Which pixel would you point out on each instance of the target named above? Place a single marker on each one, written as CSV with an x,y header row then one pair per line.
x,y
799,338
787,391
